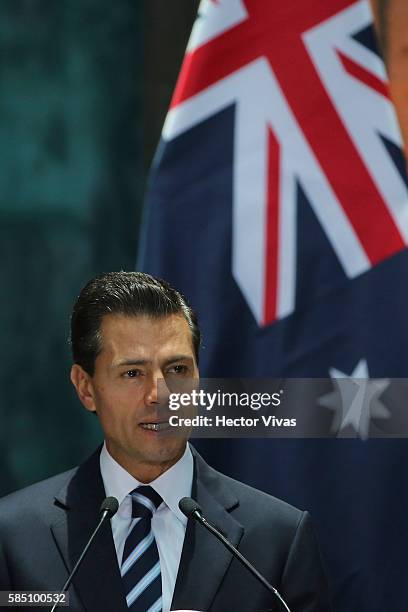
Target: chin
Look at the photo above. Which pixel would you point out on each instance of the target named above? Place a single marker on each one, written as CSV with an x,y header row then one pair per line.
x,y
171,451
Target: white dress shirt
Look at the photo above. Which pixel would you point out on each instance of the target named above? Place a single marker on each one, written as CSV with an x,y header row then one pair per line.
x,y
168,522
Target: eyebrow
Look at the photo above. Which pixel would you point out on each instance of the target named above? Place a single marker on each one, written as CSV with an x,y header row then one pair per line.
x,y
178,358
131,362
136,362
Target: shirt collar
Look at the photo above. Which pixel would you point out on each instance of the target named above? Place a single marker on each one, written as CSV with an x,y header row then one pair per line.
x,y
174,484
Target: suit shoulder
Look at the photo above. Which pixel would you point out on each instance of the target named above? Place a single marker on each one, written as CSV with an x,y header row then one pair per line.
x,y
34,497
250,502
260,501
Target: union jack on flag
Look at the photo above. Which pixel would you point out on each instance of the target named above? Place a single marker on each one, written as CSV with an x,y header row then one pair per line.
x,y
312,112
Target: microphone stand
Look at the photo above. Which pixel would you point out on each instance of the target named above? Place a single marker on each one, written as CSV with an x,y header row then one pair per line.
x,y
107,512
191,509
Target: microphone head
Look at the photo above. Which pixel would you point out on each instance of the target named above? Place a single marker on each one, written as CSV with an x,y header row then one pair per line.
x,y
109,505
189,506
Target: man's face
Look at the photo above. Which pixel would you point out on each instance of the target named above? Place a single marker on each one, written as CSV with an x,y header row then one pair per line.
x,y
135,353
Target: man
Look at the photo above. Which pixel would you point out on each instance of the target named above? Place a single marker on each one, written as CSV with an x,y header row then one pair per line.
x,y
128,331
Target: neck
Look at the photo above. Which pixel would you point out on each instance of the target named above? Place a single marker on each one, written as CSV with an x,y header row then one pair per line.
x,y
144,471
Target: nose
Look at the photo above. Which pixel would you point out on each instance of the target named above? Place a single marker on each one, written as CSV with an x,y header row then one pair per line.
x,y
157,392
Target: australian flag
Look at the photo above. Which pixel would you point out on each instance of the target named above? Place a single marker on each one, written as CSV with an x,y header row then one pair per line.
x,y
278,204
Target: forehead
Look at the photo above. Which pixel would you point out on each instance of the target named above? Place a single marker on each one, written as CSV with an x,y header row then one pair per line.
x,y
144,336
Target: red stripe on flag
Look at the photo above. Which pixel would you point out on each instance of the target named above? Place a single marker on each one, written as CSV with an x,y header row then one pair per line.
x,y
212,62
272,236
363,75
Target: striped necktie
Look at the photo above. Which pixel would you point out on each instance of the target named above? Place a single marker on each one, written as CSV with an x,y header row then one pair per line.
x,y
140,568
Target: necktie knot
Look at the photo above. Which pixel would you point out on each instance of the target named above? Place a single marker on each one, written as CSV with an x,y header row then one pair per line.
x,y
145,502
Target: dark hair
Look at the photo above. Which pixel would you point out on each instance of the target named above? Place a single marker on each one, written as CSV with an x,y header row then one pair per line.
x,y
126,293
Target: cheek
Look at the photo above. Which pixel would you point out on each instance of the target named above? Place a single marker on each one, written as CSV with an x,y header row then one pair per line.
x,y
119,403
107,404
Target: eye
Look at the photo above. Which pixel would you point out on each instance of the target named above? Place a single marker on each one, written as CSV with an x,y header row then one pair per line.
x,y
131,373
178,369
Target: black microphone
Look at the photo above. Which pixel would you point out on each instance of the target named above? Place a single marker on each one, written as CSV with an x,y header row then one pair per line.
x,y
108,508
191,509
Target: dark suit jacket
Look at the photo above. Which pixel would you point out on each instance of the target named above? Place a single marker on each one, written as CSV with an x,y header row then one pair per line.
x,y
44,528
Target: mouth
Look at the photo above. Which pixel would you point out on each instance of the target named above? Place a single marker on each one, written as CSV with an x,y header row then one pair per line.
x,y
163,426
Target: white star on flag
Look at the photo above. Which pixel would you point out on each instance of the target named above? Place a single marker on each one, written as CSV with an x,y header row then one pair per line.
x,y
359,399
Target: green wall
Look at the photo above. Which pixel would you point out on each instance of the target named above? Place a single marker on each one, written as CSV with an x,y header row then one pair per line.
x,y
71,186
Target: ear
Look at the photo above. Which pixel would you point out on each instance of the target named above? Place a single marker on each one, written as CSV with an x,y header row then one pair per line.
x,y
82,382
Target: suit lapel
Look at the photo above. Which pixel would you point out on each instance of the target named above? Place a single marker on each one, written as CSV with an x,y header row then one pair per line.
x,y
204,560
98,582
